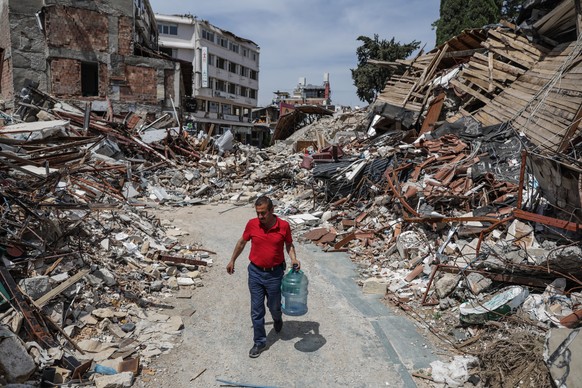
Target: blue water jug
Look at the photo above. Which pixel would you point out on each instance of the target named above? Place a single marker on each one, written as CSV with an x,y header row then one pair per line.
x,y
294,292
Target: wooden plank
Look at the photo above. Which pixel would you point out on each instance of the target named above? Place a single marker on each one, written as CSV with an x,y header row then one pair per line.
x,y
556,99
501,114
564,83
470,91
545,23
549,110
501,66
60,288
433,114
486,119
484,67
513,55
476,79
463,53
529,125
517,44
431,69
564,144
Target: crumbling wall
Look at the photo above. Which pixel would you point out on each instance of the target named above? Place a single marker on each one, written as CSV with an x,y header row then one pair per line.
x,y
109,7
6,85
28,46
76,29
65,77
169,79
84,50
125,36
141,84
103,79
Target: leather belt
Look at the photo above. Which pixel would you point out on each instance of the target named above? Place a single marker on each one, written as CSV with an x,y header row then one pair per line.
x,y
268,269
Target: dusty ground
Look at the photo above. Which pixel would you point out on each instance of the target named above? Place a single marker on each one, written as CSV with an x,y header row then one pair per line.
x,y
346,339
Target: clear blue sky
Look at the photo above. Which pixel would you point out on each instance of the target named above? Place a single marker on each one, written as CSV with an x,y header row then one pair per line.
x,y
307,38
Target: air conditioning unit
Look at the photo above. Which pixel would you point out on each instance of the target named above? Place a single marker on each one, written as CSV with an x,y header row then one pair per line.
x,y
218,93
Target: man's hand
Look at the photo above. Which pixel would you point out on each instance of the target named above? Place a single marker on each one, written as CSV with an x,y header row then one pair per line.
x,y
238,248
296,262
230,267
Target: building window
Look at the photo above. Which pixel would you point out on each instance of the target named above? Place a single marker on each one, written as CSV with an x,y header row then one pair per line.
x,y
211,59
252,94
254,56
168,29
232,67
234,47
244,91
244,71
226,109
245,52
220,85
223,42
254,74
168,51
220,63
213,107
208,35
89,79
232,88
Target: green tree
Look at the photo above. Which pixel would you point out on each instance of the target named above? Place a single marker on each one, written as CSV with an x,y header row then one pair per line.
x,y
370,79
458,15
479,13
510,9
451,20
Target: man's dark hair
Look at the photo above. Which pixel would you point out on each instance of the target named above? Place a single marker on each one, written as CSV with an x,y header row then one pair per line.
x,y
264,200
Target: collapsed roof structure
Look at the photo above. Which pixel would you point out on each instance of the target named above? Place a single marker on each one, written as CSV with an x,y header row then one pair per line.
x,y
523,79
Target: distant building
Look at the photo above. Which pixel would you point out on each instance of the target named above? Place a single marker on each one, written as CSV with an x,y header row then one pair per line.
x,y
305,94
225,82
103,52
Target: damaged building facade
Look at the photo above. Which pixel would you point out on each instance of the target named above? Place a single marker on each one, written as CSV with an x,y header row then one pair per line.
x,y
225,82
305,94
101,52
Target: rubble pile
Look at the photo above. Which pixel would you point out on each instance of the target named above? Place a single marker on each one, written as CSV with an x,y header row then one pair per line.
x,y
85,270
457,203
456,194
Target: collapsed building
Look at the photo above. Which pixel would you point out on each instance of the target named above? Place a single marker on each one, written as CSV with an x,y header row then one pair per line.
x,y
103,53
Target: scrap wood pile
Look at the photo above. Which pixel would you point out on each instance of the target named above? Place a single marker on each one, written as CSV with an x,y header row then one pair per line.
x,y
84,269
435,227
454,201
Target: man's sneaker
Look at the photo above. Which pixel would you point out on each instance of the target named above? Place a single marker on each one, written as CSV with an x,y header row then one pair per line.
x,y
257,350
278,325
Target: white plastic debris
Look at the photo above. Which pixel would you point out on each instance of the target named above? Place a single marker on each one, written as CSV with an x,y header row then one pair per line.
x,y
455,373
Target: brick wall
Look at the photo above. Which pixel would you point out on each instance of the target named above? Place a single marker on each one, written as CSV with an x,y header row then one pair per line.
x,y
141,84
65,77
169,85
6,81
125,36
77,29
103,80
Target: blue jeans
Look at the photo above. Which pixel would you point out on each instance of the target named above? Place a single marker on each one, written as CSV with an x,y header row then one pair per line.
x,y
264,284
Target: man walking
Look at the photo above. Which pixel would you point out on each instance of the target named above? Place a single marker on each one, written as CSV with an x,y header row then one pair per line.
x,y
268,234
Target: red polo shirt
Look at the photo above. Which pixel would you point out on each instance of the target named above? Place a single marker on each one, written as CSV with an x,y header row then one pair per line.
x,y
267,245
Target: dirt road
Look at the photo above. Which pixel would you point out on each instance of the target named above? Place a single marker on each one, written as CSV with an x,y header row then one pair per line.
x,y
347,339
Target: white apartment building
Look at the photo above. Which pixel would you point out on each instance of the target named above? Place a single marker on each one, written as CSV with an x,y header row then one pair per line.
x,y
225,80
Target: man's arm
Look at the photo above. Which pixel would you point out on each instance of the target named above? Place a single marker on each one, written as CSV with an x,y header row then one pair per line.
x,y
291,252
238,248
